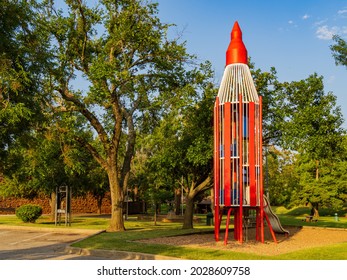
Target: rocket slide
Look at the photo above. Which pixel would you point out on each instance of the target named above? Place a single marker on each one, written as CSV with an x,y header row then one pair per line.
x,y
274,220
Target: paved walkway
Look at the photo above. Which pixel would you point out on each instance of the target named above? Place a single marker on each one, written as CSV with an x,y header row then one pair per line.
x,y
31,243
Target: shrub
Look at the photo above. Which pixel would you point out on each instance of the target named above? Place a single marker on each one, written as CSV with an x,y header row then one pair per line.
x,y
29,213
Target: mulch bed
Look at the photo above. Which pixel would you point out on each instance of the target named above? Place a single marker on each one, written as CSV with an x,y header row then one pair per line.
x,y
299,238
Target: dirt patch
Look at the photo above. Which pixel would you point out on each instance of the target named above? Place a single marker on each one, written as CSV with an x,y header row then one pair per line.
x,y
299,238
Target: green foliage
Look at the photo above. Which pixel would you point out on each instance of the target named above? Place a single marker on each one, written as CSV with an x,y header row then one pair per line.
x,y
269,88
329,190
120,49
307,163
29,213
281,178
339,50
22,61
312,122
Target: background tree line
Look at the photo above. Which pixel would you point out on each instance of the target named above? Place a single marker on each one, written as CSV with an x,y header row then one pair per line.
x,y
101,98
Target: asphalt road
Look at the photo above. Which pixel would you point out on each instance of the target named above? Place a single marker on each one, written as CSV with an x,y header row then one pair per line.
x,y
38,244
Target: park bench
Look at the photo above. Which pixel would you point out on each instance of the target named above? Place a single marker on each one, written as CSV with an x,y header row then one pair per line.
x,y
309,219
7,210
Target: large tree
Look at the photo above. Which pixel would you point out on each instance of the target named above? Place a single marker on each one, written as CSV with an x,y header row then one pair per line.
x,y
22,59
125,63
312,127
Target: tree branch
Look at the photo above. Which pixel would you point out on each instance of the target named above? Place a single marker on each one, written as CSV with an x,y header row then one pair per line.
x,y
93,120
93,152
203,186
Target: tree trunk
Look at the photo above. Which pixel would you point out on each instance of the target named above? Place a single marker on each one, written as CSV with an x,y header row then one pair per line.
x,y
52,202
188,214
317,170
315,210
212,201
117,220
155,214
178,198
194,190
315,205
99,202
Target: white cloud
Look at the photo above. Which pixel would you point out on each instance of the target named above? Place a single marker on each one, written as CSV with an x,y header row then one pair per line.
x,y
320,22
290,21
305,16
326,33
331,79
341,12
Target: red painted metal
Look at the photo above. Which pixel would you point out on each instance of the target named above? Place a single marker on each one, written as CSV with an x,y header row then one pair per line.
x,y
237,52
270,228
227,227
261,188
240,210
227,154
252,143
216,167
238,145
236,223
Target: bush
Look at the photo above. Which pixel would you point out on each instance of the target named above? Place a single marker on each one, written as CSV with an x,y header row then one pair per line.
x,y
29,213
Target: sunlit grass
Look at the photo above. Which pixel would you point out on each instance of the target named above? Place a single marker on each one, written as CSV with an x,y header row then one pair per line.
x,y
145,229
81,222
331,252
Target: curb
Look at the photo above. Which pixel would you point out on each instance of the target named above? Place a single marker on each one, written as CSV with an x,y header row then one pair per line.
x,y
115,255
53,229
327,228
112,254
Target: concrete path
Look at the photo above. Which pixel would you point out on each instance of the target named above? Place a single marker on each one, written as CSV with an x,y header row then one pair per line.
x,y
29,243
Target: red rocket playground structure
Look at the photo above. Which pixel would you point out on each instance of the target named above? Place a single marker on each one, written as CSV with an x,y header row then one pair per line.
x,y
238,180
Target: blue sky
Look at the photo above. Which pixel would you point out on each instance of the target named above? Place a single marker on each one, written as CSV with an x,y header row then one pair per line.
x,y
293,36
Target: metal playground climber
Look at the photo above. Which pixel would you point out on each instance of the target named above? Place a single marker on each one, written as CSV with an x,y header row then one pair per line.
x,y
238,180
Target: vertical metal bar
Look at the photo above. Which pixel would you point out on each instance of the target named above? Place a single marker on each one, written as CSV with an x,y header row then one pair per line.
x,y
227,152
56,207
256,137
66,204
227,227
236,154
216,168
240,214
70,206
222,154
236,223
270,227
261,169
251,149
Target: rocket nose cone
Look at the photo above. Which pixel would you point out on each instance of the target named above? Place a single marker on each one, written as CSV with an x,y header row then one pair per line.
x,y
236,52
236,32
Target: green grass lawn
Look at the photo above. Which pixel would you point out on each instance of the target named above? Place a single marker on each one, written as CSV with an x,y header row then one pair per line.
x,y
140,229
123,241
78,222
